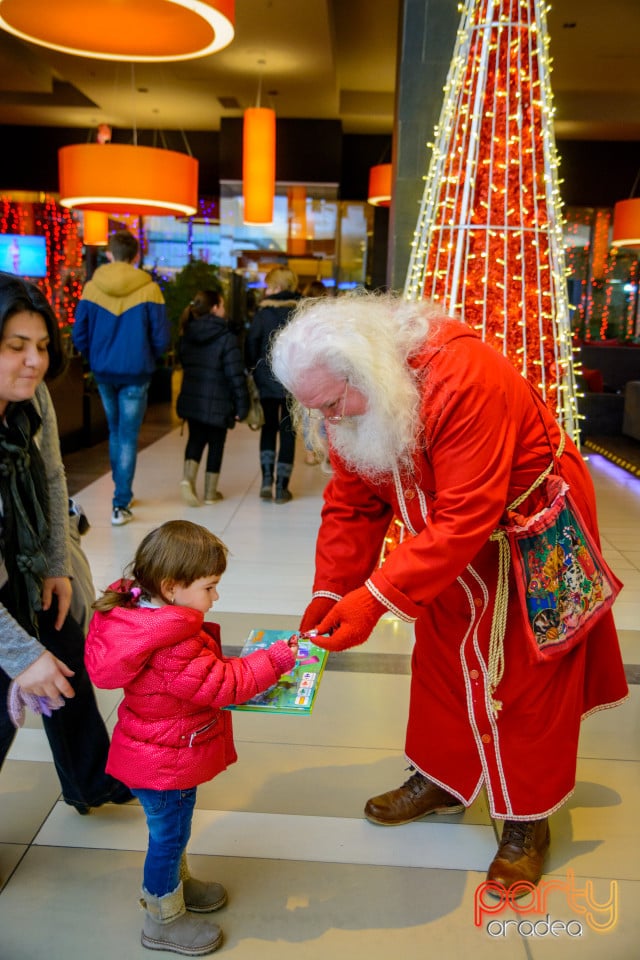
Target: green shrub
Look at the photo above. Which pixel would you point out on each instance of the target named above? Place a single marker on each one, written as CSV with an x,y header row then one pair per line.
x,y
180,291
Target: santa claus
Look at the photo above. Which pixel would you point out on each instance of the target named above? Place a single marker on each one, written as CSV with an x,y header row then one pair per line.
x,y
427,422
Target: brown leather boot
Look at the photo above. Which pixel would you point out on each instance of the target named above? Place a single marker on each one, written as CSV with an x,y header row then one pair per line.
x,y
413,800
521,852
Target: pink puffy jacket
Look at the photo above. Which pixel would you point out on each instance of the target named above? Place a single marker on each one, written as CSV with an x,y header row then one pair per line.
x,y
171,732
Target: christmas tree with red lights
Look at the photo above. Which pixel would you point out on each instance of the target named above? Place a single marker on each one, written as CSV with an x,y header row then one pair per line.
x,y
488,244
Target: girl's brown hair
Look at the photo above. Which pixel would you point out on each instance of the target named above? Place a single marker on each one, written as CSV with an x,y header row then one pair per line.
x,y
179,551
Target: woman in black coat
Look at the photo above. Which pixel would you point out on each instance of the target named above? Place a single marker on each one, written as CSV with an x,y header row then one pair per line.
x,y
279,302
213,394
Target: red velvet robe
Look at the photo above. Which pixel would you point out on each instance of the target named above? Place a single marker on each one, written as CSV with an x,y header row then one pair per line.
x,y
484,445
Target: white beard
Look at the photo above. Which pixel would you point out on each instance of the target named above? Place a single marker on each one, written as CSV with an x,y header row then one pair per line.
x,y
369,444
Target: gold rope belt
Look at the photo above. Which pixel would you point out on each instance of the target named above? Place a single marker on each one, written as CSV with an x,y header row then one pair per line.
x,y
495,666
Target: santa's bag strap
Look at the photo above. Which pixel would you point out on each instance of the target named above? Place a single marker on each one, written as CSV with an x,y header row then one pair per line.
x,y
555,454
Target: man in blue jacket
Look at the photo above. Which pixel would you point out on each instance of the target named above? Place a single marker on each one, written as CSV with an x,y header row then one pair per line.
x,y
121,329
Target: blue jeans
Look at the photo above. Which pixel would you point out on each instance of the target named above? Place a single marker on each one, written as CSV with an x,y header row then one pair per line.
x,y
169,814
125,405
76,733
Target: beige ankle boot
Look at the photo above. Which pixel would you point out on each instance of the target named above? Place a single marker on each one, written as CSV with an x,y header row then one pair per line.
x,y
211,494
168,926
200,896
188,483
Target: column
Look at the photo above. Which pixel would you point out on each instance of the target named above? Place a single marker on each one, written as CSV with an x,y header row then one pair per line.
x,y
426,41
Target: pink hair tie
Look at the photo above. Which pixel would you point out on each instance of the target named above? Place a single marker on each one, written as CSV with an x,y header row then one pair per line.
x,y
135,592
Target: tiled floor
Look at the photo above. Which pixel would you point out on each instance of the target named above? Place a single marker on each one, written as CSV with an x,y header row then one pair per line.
x,y
283,828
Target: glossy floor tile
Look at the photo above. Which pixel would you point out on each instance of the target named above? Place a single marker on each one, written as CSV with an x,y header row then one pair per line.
x,y
283,828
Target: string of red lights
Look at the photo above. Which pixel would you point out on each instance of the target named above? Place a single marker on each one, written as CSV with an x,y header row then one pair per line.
x,y
64,278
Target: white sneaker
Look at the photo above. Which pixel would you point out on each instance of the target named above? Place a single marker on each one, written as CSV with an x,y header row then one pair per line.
x,y
120,515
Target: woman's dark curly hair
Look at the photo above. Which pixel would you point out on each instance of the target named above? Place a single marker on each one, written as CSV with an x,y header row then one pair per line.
x,y
17,295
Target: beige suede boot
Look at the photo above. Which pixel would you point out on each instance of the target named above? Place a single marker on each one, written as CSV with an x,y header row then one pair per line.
x,y
211,493
168,926
188,483
200,896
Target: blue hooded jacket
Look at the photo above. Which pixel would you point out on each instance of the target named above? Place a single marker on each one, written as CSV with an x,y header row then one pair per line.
x,y
121,325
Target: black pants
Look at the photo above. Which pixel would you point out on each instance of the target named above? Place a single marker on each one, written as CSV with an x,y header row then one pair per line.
x,y
201,435
277,421
76,732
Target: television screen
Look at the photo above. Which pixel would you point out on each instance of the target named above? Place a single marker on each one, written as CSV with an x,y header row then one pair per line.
x,y
26,256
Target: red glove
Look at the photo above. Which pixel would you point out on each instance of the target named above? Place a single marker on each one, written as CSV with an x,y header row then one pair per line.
x,y
351,621
317,609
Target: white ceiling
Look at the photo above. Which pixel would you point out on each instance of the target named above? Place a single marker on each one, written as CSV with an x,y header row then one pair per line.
x,y
323,59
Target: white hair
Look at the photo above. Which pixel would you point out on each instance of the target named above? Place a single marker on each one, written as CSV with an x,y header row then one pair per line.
x,y
367,339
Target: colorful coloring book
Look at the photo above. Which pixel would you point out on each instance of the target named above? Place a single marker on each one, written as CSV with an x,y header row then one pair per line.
x,y
296,691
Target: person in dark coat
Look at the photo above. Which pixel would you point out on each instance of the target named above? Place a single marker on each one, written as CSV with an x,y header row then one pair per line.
x,y
214,393
281,298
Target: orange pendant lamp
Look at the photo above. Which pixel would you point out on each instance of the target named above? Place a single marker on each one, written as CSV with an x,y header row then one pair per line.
x,y
626,223
297,217
95,231
120,178
258,164
142,31
380,185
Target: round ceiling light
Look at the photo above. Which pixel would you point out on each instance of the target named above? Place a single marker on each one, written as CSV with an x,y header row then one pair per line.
x,y
120,178
626,223
379,194
141,31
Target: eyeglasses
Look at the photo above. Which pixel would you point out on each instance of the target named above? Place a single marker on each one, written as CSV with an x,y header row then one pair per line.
x,y
331,417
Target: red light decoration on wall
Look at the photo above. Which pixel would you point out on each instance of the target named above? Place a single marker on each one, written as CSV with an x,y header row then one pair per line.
x,y
63,284
488,245
600,250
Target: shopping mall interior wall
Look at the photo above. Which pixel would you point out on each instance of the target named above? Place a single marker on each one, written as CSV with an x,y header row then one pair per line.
x,y
307,151
598,173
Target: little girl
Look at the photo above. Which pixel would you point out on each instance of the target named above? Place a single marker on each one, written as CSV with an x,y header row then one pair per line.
x,y
149,637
